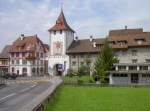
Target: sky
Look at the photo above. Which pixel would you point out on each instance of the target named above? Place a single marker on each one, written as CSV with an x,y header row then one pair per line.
x,y
86,17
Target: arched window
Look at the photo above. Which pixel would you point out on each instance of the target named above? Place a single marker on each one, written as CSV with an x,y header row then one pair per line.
x,y
24,71
13,69
33,70
41,69
37,70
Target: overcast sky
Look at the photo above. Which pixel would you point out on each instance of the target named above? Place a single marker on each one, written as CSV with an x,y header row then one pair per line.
x,y
86,17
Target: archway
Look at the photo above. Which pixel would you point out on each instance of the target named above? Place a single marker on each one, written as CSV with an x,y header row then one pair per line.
x,y
58,69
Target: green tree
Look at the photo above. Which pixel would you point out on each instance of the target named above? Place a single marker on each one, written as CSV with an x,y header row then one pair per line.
x,y
104,62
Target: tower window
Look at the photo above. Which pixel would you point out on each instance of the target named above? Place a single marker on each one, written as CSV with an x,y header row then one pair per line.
x,y
54,32
60,31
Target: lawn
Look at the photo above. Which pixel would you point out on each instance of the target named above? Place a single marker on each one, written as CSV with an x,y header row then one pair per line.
x,y
74,79
71,98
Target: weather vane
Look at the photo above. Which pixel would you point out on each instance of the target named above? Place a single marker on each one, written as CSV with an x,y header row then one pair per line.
x,y
62,3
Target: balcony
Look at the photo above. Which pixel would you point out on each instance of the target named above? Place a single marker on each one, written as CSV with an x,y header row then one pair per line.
x,y
30,56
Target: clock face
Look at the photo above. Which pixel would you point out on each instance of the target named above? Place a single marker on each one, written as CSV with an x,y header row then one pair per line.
x,y
57,48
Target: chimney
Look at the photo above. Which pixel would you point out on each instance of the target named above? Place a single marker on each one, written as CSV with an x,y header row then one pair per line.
x,y
91,38
22,36
126,27
76,38
94,44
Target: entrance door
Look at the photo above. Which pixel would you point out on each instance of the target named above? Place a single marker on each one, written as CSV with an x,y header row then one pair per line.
x,y
134,78
59,69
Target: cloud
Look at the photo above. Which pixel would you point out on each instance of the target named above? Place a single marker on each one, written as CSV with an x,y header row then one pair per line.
x,y
86,17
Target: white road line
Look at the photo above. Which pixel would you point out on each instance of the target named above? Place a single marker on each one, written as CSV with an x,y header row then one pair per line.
x,y
33,86
28,88
10,95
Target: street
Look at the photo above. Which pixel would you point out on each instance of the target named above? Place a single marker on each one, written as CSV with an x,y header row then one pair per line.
x,y
15,96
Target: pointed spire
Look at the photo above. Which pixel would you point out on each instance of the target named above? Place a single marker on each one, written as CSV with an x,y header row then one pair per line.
x,y
61,23
62,6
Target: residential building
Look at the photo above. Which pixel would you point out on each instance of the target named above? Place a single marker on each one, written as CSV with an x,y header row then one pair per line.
x,y
4,59
132,48
27,56
84,52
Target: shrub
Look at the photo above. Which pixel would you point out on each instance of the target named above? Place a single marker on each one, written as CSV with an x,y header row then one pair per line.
x,y
80,81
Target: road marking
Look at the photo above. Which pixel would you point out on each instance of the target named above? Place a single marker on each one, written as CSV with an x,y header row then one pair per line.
x,y
10,95
33,86
28,88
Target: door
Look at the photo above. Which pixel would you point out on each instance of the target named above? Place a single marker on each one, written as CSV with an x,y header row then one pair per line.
x,y
134,78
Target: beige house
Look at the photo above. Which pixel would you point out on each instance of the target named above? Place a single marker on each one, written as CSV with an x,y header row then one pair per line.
x,y
84,52
132,48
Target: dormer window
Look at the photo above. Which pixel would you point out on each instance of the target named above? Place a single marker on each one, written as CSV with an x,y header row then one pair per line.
x,y
140,41
121,43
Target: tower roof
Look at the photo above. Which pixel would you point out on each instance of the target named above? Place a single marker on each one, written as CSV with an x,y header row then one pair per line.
x,y
61,24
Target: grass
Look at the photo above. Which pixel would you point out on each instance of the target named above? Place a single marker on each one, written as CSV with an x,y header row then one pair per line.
x,y
71,98
74,79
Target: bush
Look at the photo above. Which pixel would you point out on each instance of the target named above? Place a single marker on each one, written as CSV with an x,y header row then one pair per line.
x,y
80,81
83,70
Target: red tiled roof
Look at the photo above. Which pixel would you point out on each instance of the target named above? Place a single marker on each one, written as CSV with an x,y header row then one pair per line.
x,y
86,46
61,24
26,44
130,36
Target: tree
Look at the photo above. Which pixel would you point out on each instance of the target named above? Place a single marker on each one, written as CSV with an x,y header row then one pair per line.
x,y
104,62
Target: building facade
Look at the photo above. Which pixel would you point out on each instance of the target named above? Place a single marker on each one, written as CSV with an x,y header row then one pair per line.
x,y
5,60
27,56
84,53
61,36
132,48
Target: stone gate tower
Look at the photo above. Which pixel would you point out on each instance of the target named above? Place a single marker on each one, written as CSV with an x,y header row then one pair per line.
x,y
61,37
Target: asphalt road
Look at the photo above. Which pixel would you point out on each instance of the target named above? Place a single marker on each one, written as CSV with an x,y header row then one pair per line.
x,y
15,96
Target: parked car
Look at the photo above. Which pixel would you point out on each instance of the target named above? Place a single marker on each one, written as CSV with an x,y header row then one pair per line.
x,y
13,76
9,76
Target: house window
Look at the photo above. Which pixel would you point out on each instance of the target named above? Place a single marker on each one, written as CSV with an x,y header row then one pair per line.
x,y
41,55
23,54
74,63
120,75
41,70
134,61
17,62
147,60
33,70
134,52
133,68
74,56
17,54
12,54
60,31
13,69
24,71
122,68
117,61
143,67
42,62
24,62
54,32
12,62
146,75
81,63
82,56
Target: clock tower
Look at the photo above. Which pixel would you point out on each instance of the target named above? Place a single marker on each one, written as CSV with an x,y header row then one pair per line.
x,y
61,37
